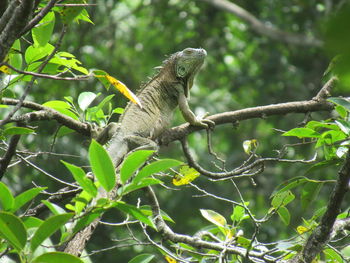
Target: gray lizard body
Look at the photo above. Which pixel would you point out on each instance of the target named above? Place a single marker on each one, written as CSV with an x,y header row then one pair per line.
x,y
140,127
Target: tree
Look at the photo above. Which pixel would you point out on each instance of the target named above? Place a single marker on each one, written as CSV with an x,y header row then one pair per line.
x,y
270,189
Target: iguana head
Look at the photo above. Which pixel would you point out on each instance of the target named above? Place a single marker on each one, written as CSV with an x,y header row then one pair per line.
x,y
187,63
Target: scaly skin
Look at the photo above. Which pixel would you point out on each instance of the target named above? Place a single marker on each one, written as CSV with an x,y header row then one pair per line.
x,y
139,127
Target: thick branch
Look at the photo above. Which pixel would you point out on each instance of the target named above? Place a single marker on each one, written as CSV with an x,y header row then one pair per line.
x,y
262,28
19,17
323,232
181,131
45,113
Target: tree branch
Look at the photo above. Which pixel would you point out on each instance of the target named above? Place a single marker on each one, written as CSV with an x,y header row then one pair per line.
x,y
324,231
181,131
14,24
11,151
262,28
45,113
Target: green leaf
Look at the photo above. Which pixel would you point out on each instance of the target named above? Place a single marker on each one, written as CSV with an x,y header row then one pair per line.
x,y
6,197
31,222
134,211
302,133
15,56
133,162
118,110
104,101
341,111
62,107
244,242
309,193
156,167
102,166
282,199
344,126
290,184
141,184
324,164
340,101
57,104
35,53
42,32
147,210
46,229
85,99
68,13
214,217
25,197
87,219
332,256
55,209
284,215
237,214
17,130
143,258
80,176
56,257
12,229
100,75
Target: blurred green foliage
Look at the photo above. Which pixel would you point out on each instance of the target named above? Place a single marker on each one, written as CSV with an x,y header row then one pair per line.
x,y
243,69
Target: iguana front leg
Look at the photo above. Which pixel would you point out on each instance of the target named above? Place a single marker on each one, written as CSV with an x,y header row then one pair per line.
x,y
103,135
190,116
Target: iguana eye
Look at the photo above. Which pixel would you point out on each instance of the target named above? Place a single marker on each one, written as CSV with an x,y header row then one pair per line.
x,y
188,51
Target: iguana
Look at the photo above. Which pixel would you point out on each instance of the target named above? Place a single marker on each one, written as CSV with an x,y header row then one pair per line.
x,y
138,126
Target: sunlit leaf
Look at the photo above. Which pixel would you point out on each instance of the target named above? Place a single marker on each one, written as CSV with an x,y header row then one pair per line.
x,y
6,198
85,99
26,196
156,167
5,69
57,257
47,228
302,229
80,176
214,217
188,174
133,162
121,87
170,259
143,258
102,166
302,133
42,32
250,146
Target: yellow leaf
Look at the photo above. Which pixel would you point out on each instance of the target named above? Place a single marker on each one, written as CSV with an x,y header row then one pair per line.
x,y
302,229
123,90
250,145
213,217
188,174
170,260
5,69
